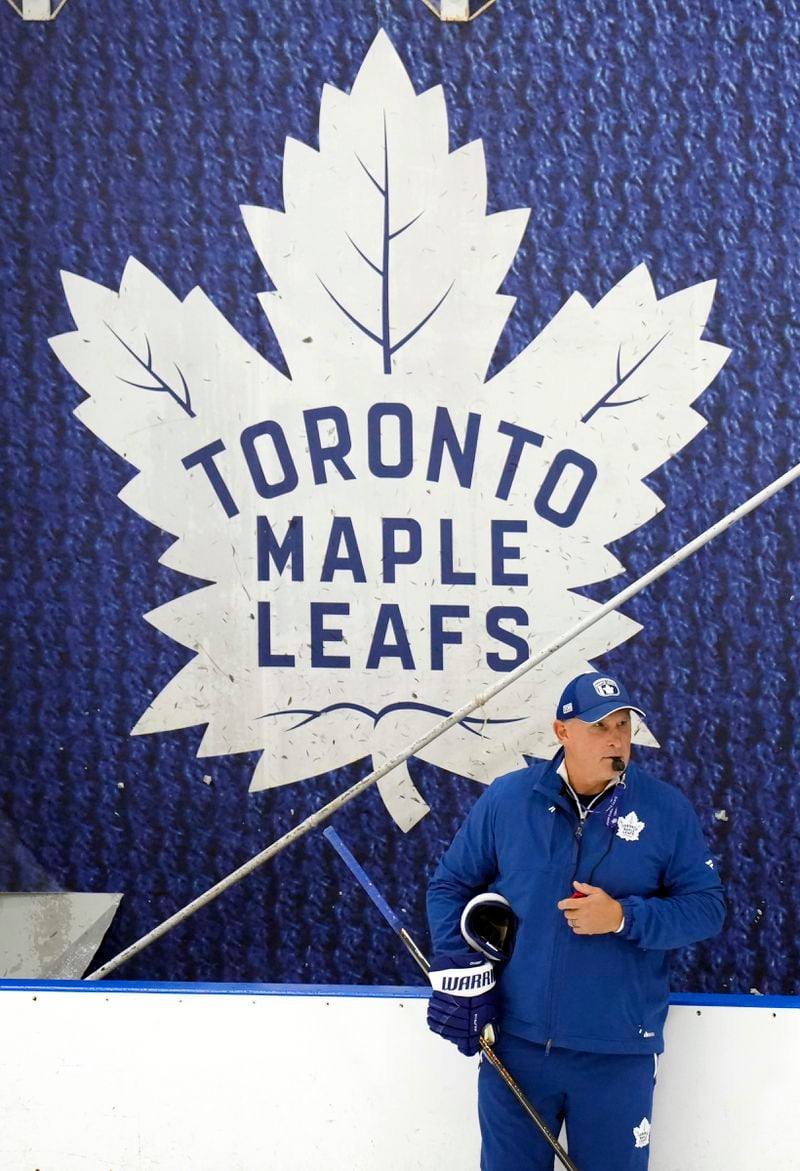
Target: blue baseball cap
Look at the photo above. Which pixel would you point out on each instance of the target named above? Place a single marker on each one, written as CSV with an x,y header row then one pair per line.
x,y
593,696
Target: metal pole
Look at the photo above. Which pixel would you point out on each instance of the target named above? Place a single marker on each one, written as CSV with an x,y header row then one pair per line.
x,y
327,811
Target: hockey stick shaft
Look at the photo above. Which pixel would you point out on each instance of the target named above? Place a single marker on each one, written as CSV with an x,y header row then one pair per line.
x,y
366,883
369,887
326,811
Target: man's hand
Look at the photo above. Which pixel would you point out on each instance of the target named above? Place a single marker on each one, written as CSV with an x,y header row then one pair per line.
x,y
591,911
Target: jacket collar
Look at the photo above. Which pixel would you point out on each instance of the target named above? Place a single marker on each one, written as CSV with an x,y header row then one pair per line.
x,y
548,781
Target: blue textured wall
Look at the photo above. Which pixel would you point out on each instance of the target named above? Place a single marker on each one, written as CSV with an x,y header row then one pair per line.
x,y
663,132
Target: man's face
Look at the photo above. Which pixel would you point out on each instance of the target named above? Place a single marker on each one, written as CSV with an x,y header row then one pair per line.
x,y
589,749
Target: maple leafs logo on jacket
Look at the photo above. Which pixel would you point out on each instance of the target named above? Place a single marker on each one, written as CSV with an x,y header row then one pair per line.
x,y
629,827
386,531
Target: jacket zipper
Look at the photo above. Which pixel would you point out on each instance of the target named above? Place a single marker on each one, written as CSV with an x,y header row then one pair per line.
x,y
579,835
578,832
583,815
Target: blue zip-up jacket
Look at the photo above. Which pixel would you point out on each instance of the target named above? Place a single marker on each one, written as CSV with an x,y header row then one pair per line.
x,y
643,846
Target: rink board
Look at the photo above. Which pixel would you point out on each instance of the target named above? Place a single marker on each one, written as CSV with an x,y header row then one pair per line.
x,y
142,1077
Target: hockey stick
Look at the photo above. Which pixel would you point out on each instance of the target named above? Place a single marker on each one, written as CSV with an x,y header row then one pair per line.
x,y
327,811
361,877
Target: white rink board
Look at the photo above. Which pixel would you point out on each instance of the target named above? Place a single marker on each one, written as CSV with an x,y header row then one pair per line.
x,y
126,1077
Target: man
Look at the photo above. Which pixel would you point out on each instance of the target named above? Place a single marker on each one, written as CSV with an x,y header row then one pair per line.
x,y
605,870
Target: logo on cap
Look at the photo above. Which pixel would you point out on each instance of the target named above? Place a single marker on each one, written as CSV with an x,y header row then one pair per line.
x,y
606,687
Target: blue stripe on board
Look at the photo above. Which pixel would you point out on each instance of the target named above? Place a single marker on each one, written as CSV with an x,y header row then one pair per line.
x,y
715,1000
342,991
329,991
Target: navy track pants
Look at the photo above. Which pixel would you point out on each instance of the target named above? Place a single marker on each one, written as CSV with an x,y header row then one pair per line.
x,y
605,1099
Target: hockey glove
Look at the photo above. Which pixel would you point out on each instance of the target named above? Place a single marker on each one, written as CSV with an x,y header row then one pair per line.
x,y
463,1000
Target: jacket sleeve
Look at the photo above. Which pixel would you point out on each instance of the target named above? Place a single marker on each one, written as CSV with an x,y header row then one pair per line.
x,y
691,904
467,868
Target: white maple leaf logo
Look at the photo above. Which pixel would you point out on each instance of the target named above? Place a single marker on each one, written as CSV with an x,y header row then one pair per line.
x,y
387,530
641,1133
629,827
